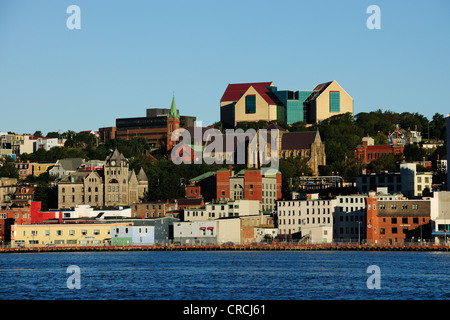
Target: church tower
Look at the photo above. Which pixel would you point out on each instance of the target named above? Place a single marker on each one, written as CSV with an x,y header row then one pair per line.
x,y
116,179
173,123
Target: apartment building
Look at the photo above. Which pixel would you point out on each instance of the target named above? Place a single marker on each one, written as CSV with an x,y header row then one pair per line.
x,y
311,217
223,209
350,218
398,220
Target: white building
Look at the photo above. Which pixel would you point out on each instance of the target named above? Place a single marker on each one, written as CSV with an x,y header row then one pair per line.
x,y
440,216
86,211
195,232
350,218
311,216
223,209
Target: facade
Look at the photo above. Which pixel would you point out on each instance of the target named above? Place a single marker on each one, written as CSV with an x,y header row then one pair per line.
x,y
223,209
23,196
154,209
81,234
12,216
132,235
408,181
262,101
25,169
440,216
8,187
115,185
328,99
195,232
397,221
368,152
40,168
311,217
350,218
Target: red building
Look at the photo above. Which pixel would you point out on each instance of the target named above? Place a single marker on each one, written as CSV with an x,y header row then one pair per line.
x,y
397,221
368,152
16,215
249,184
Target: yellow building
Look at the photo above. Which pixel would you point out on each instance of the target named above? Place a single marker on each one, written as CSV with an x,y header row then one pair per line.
x,y
262,101
328,99
40,168
71,234
250,102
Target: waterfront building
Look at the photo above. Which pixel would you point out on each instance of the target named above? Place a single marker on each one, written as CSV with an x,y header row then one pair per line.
x,y
440,216
82,234
398,220
12,216
350,218
132,235
310,217
202,232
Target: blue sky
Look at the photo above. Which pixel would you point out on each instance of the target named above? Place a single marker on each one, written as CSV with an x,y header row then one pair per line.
x,y
132,55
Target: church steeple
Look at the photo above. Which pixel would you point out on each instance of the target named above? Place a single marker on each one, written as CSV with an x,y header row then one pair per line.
x,y
173,110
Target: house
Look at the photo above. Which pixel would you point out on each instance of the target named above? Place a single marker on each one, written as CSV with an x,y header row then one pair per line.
x,y
23,196
132,235
66,166
8,187
440,217
222,209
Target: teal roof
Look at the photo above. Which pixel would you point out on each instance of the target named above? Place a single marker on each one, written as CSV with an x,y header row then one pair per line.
x,y
173,110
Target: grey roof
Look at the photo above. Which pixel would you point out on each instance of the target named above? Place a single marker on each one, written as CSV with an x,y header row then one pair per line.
x,y
298,140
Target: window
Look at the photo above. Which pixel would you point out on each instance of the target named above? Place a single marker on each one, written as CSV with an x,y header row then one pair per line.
x,y
335,101
394,220
250,104
404,220
59,232
394,230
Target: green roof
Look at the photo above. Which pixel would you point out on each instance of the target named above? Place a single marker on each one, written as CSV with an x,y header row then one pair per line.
x,y
173,110
204,176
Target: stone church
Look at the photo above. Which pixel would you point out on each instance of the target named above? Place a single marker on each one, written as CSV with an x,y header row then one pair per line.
x,y
113,185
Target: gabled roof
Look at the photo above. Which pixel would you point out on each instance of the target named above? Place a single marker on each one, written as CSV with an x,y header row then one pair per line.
x,y
298,140
235,91
322,86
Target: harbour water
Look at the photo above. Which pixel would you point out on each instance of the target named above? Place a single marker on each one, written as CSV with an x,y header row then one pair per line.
x,y
214,275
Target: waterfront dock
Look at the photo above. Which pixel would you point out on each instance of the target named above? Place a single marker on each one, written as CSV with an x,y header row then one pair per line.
x,y
268,247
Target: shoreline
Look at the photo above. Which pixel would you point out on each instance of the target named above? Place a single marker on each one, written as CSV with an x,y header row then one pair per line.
x,y
279,247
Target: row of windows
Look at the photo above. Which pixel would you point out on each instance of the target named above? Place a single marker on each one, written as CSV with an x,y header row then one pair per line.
x,y
352,200
313,211
394,206
305,221
308,202
46,232
405,220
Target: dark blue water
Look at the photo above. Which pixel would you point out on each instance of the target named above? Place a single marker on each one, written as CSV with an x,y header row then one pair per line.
x,y
226,275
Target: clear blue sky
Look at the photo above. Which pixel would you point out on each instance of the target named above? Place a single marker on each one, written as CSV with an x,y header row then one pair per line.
x,y
132,55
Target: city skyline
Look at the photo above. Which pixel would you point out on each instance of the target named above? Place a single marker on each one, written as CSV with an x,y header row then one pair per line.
x,y
128,57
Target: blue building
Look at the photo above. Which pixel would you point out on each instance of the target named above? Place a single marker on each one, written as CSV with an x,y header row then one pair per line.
x,y
133,235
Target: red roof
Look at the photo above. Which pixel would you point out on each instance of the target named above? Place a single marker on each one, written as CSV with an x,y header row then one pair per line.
x,y
235,91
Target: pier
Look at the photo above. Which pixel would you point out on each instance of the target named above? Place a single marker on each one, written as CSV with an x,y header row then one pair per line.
x,y
268,247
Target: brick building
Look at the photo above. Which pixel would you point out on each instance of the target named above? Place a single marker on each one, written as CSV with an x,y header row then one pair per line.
x,y
250,184
397,221
156,127
16,216
368,152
